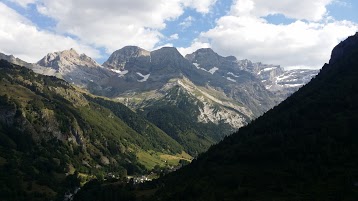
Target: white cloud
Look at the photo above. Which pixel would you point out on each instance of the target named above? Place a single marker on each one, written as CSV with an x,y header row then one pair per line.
x,y
22,39
174,37
187,22
109,24
244,34
112,24
115,23
296,9
196,44
202,6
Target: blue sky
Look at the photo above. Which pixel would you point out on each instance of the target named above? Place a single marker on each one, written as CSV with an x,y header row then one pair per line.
x,y
291,33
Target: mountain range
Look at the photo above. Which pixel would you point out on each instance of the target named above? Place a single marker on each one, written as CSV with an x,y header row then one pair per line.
x,y
197,99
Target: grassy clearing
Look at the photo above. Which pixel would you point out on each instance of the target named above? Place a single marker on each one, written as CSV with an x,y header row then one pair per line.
x,y
18,92
174,159
151,158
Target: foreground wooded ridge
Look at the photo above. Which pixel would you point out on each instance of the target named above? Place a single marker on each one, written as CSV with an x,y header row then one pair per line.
x,y
306,148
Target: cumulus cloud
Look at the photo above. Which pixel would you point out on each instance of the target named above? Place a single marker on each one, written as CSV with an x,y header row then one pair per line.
x,y
112,24
18,36
296,9
115,23
108,24
202,6
244,33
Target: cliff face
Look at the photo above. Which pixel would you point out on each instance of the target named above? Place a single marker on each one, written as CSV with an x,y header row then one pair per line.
x,y
78,69
119,58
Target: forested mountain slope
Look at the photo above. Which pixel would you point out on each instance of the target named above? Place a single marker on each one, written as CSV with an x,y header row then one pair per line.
x,y
49,130
306,148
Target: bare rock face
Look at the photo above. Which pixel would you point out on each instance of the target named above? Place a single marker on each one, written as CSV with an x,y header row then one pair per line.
x,y
119,58
66,59
75,68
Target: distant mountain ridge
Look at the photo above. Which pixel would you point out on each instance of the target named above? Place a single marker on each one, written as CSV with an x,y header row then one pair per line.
x,y
273,77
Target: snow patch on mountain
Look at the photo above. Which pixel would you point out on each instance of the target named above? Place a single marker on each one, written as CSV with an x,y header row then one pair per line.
x,y
196,65
267,69
121,73
213,70
230,79
145,77
231,73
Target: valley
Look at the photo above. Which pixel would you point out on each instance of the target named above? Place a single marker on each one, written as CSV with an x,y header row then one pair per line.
x,y
180,100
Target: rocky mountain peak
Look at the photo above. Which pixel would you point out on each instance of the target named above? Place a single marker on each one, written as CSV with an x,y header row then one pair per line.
x,y
120,57
205,51
167,51
168,57
67,58
69,52
343,48
201,54
133,51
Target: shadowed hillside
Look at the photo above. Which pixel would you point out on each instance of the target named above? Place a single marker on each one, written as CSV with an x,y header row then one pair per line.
x,y
306,148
